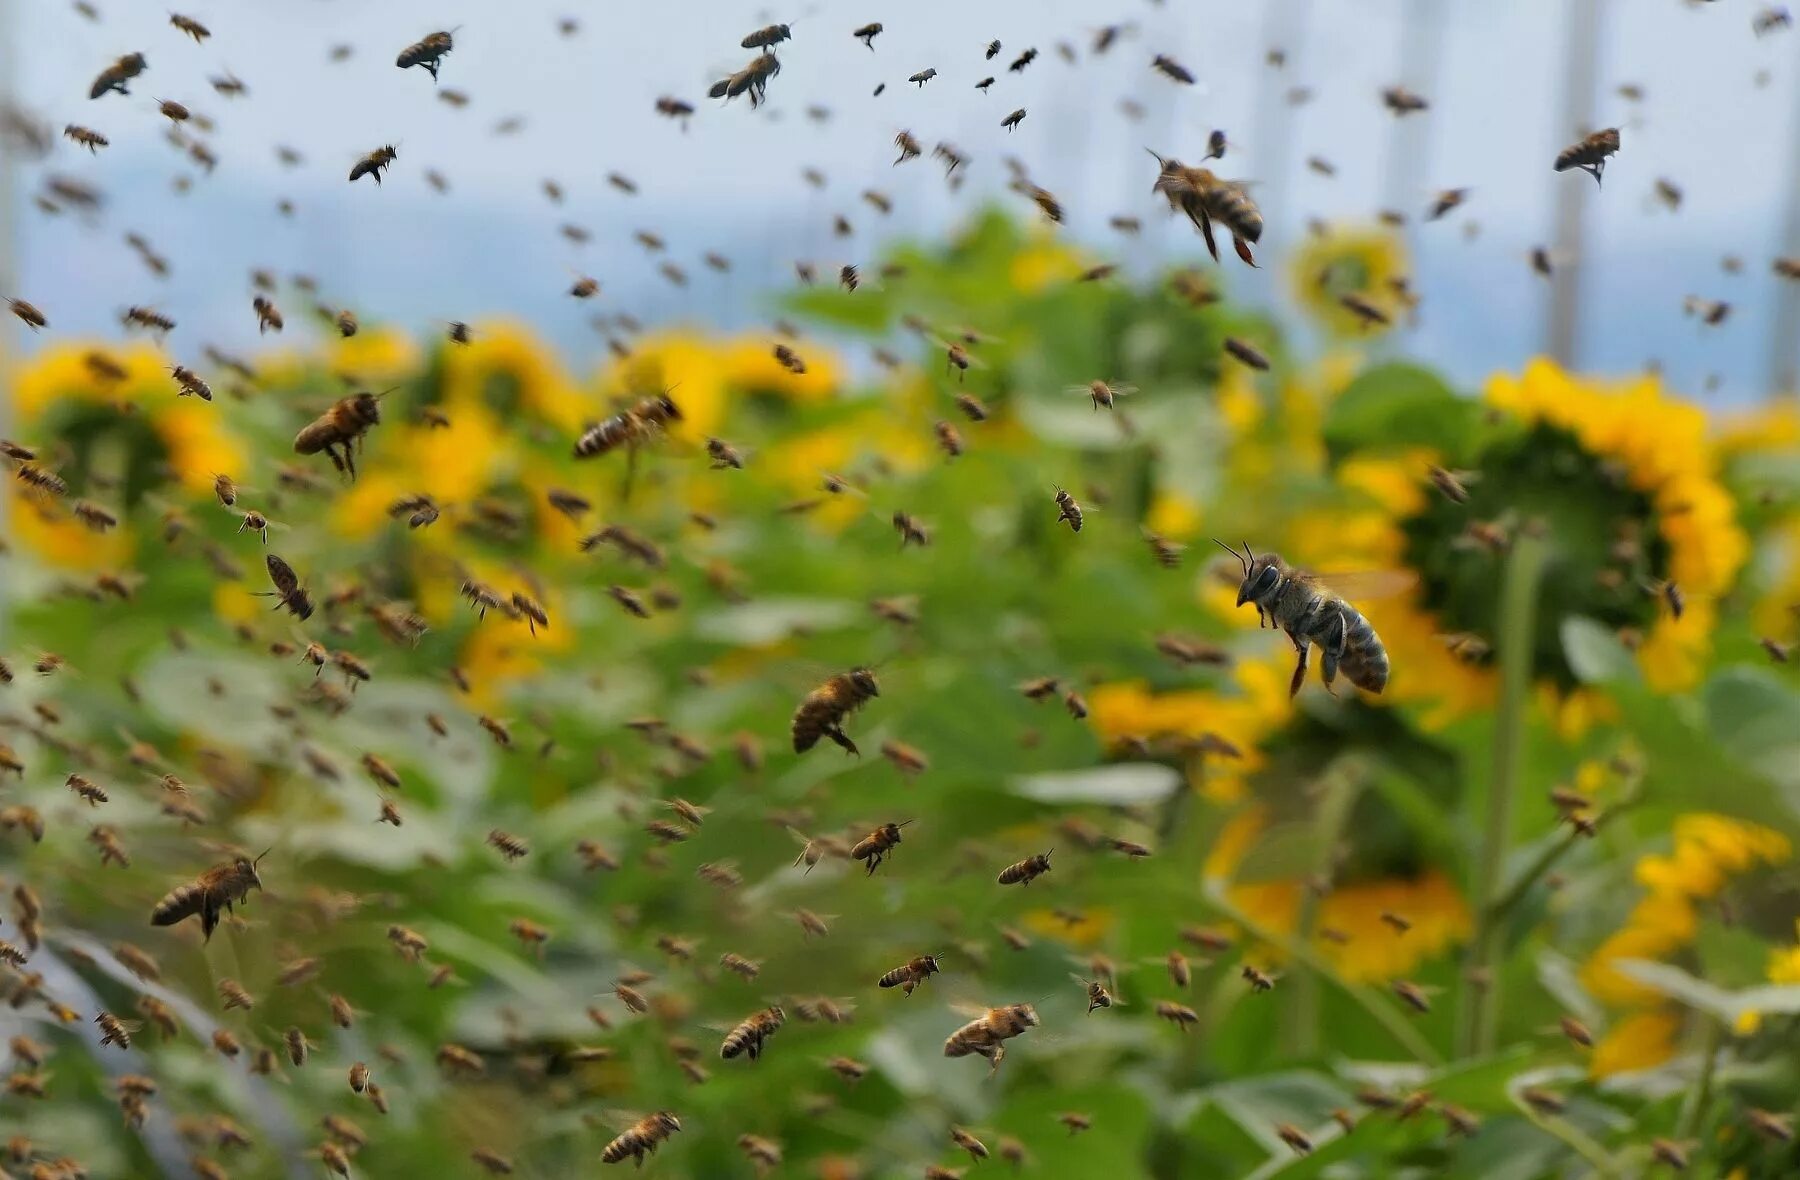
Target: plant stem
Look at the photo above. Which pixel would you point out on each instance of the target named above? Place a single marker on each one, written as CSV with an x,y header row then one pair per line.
x,y
1577,1140
1515,893
1338,790
1517,626
1384,1013
1694,1109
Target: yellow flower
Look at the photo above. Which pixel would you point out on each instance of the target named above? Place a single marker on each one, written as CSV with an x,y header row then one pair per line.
x,y
507,351
1773,614
1772,426
376,357
682,362
750,365
1363,261
200,446
1174,515
1049,923
65,543
1642,1040
1784,965
1044,262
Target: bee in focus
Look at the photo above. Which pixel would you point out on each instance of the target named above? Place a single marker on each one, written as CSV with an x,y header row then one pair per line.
x,y
341,427
1068,510
218,888
1205,198
911,974
822,712
987,1034
1312,614
641,1138
877,845
1026,871
750,1034
288,592
374,163
428,52
190,384
1590,153
114,1031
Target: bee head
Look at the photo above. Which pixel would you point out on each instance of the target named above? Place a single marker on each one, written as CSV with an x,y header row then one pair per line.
x,y
1025,1014
931,964
667,1120
1261,574
667,405
367,407
864,680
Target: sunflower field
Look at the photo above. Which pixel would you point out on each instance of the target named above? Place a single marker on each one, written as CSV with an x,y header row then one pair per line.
x,y
530,837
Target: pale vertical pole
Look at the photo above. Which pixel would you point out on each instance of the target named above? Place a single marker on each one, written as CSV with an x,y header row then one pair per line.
x,y
1574,118
1408,167
1272,129
1784,328
9,274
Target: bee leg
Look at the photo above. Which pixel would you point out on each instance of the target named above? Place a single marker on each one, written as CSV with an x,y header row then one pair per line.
x,y
1212,247
1243,250
1332,647
1299,671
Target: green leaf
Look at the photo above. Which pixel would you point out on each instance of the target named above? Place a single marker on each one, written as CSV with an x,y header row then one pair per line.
x,y
1284,852
1757,718
1399,405
1121,784
1677,984
1594,653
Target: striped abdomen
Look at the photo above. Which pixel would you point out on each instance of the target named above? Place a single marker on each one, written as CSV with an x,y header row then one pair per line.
x,y
1365,660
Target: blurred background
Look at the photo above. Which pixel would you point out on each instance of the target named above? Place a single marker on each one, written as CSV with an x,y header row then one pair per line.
x,y
1508,86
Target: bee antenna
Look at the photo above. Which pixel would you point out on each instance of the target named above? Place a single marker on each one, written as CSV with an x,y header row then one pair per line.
x,y
260,855
1234,553
1157,154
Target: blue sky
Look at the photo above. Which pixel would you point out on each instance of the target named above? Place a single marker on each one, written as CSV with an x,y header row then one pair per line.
x,y
732,183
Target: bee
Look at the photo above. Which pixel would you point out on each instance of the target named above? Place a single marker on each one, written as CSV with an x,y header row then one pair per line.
x,y
724,455
867,34
1075,1121
173,111
1779,1127
641,1138
190,383
911,530
190,26
1576,1031
1402,101
1180,1015
28,313
1310,613
753,79
33,476
1026,871
986,1035
267,314
92,140
629,428
1097,995
877,845
1258,980
1671,1153
751,1032
968,1142
1412,995
1023,60
86,790
1294,1138
1205,197
218,888
114,76
428,52
1711,312
949,440
1246,353
911,974
1163,64
1589,153
768,37
984,84
93,516
115,1031
288,592
821,713
1068,510
509,846
374,163
1102,393
342,426
1014,119
908,145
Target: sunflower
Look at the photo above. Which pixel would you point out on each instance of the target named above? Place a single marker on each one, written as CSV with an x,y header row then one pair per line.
x,y
1367,263
510,370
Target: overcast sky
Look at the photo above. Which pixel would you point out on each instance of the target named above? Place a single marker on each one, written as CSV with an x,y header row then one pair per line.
x,y
732,183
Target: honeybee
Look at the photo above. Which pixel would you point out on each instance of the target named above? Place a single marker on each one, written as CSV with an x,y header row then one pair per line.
x,y
1163,64
911,974
1576,1031
1589,153
1026,871
1412,995
908,145
28,313
218,888
641,1138
923,76
374,163
911,530
753,79
1204,197
114,76
190,26
1014,119
1246,353
1024,59
1310,613
877,845
115,1031
821,713
1097,995
342,426
288,592
92,140
867,34
509,846
428,52
749,1035
1068,510
987,1033
1258,980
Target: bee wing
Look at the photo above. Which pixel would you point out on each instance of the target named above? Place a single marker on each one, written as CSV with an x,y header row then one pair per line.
x,y
1363,584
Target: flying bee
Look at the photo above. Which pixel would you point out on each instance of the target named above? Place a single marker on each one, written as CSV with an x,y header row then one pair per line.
x,y
1024,59
923,76
428,52
968,1142
724,455
218,888
750,1034
1259,981
288,592
28,314
1452,483
788,359
1026,871
92,140
114,76
145,317
822,712
1014,119
1204,197
641,1138
1167,66
374,163
877,845
93,516
115,1031
987,1034
510,846
1589,153
190,383
341,427
190,26
972,407
911,974
1402,101
848,278
1412,995
1102,393
908,145
753,79
867,34
33,476
255,522
906,759
1365,311
1097,995
1068,510
1180,1015
1310,613
1247,353
949,440
767,38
